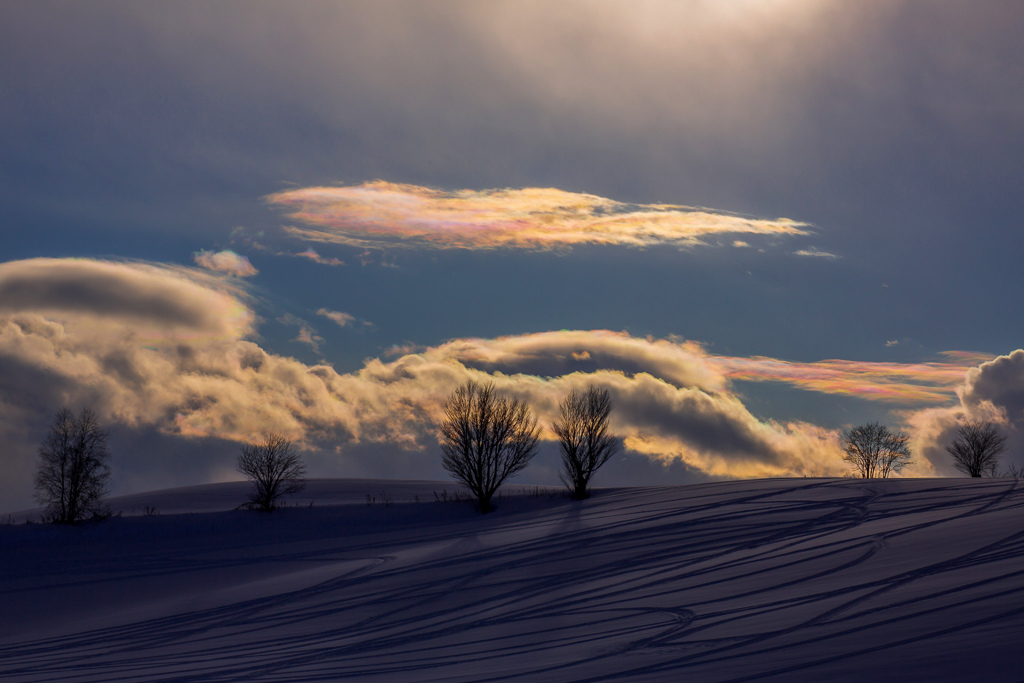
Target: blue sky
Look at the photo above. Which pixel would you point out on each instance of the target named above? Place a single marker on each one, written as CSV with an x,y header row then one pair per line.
x,y
544,195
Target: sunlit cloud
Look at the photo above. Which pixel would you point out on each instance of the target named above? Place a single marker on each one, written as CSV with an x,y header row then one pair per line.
x,y
993,391
815,253
307,335
674,400
225,261
548,354
313,256
156,303
670,404
337,317
381,214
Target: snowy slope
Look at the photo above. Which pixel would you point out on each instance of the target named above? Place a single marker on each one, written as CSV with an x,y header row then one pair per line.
x,y
778,580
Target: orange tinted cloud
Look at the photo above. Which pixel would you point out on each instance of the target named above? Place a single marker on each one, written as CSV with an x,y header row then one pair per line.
x,y
382,214
673,399
313,256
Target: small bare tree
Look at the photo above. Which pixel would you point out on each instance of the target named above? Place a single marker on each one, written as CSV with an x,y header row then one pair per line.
x,y
275,470
485,439
71,479
976,448
872,450
582,430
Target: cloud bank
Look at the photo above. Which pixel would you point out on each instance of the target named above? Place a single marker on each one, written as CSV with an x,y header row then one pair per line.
x,y
382,214
167,350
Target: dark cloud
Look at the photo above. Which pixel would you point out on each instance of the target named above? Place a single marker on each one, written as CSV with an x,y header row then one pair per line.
x,y
163,297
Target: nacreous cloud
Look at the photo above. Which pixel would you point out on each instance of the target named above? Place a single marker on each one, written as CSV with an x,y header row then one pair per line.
x,y
382,214
900,383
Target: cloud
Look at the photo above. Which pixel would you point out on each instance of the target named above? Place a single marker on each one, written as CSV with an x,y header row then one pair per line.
x,y
313,256
307,334
551,354
815,253
994,390
203,381
899,383
225,261
381,214
157,302
339,318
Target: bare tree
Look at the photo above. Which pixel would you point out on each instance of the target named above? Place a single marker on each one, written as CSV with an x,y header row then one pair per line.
x,y
976,448
582,430
872,450
485,439
71,479
275,470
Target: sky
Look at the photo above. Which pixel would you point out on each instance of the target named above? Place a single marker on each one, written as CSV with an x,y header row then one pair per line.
x,y
756,223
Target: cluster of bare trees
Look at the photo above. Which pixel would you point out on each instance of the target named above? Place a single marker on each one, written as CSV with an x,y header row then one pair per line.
x,y
487,438
73,470
873,450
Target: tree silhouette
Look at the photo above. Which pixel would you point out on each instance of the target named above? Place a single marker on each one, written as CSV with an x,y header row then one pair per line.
x,y
275,470
485,439
72,474
976,448
872,450
582,430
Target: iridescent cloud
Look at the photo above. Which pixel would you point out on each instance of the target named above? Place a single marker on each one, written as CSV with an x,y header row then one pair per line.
x,y
381,214
900,383
313,256
225,261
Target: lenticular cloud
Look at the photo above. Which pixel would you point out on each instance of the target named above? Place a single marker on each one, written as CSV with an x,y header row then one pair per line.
x,y
382,214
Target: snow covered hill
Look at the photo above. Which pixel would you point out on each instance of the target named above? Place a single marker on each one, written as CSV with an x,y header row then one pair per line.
x,y
775,580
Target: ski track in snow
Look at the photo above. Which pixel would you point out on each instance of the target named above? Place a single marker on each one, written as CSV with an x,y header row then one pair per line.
x,y
780,580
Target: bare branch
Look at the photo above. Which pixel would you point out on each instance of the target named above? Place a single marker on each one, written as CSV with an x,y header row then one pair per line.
x,y
485,439
72,473
872,450
976,448
582,430
275,470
